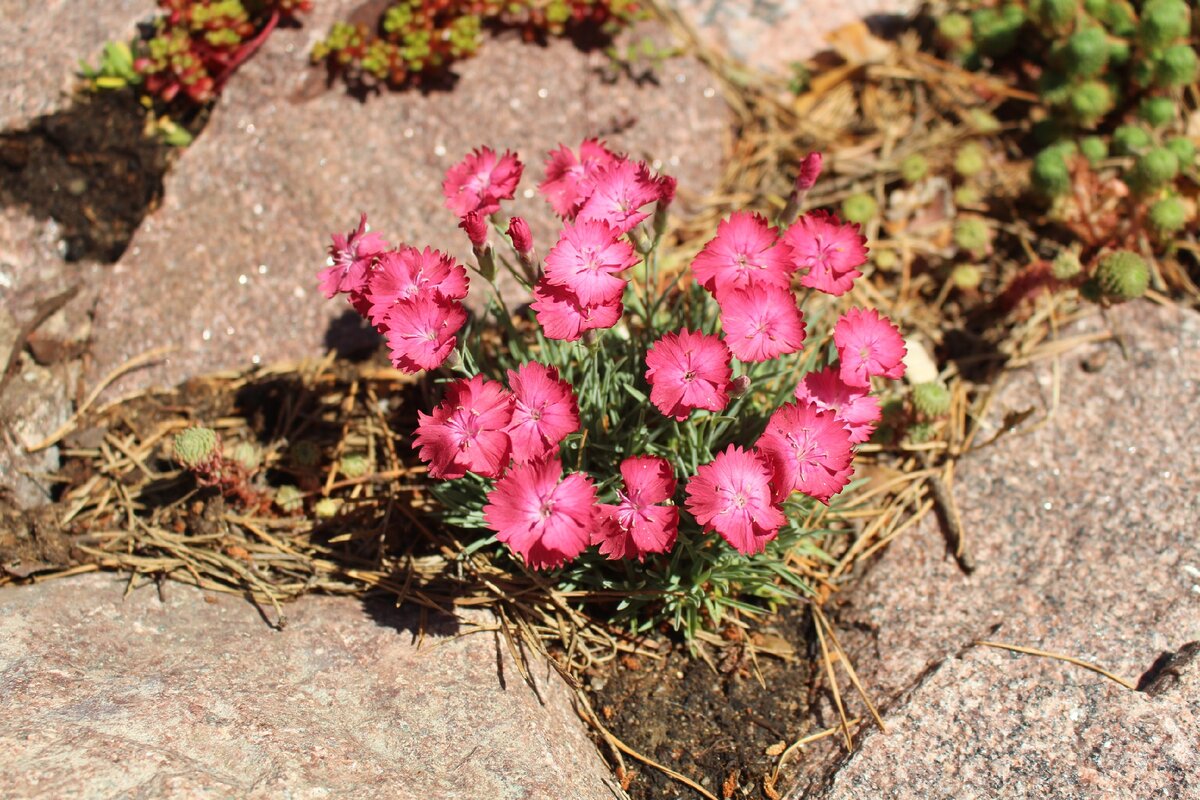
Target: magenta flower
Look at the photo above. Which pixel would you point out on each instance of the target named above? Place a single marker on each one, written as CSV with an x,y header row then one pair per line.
x,y
407,273
544,413
543,515
475,225
586,260
743,253
568,176
619,195
809,171
762,323
732,495
421,331
688,371
809,450
638,524
562,315
351,256
868,345
480,181
465,433
854,406
830,251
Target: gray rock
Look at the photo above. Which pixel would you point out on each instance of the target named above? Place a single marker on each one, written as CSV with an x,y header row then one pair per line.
x,y
225,269
1084,526
36,401
42,43
197,697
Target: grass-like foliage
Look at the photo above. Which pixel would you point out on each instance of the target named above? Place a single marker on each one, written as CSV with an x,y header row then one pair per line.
x,y
662,441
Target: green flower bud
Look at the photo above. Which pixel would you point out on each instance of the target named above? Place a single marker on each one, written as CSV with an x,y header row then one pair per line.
x,y
931,399
967,276
1094,149
1157,111
860,208
1054,16
913,168
1122,275
1117,16
1086,53
1051,176
996,31
920,433
1090,102
289,499
1184,150
1163,22
1167,216
327,508
304,454
954,29
1176,67
970,160
247,454
1129,140
1154,169
983,121
968,195
354,465
972,235
886,260
1118,52
1065,265
195,447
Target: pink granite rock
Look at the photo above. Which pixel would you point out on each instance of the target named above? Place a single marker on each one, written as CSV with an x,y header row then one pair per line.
x,y
188,698
225,269
1085,533
42,43
772,36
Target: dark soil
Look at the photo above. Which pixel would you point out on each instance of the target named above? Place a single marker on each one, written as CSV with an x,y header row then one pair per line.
x,y
712,722
91,168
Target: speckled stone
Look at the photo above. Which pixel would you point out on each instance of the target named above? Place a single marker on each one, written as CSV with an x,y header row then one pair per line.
x,y
42,43
225,269
186,698
771,36
1084,526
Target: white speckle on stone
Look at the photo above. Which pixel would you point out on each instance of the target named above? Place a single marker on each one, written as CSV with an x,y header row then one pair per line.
x,y
710,92
1131,449
1167,475
439,150
243,280
329,261
1190,570
515,103
250,128
258,209
321,162
673,161
543,93
656,163
299,292
256,359
1055,472
262,269
409,133
206,334
229,331
1047,505
681,78
1196,588
528,194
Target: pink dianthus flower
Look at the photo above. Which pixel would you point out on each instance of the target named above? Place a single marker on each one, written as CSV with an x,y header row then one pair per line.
x,y
809,449
465,433
868,345
688,371
543,515
421,331
743,253
762,323
830,251
406,273
854,406
638,524
544,413
352,256
480,181
732,495
586,260
563,316
619,195
568,176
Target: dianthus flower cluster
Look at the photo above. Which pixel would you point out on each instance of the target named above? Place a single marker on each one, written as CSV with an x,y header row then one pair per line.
x,y
557,481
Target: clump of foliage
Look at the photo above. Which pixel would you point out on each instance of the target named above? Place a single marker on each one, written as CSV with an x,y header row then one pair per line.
x,y
195,47
416,41
666,439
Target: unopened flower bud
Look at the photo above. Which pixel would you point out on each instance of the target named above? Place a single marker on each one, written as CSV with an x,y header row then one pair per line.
x,y
810,170
666,190
476,226
739,386
521,236
1122,275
